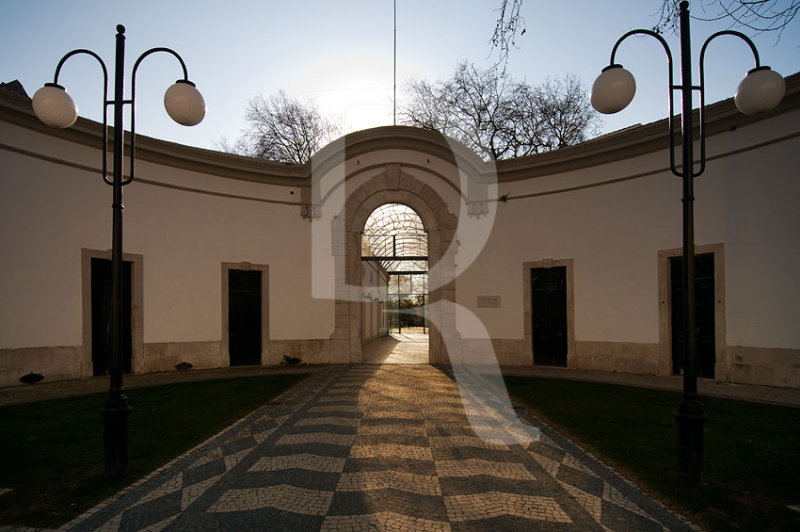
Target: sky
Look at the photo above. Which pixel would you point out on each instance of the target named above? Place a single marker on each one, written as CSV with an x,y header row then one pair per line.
x,y
339,54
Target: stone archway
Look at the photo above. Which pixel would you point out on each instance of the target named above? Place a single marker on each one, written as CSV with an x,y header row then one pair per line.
x,y
394,186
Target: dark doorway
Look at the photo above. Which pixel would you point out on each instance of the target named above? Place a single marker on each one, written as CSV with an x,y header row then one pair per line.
x,y
704,305
549,316
101,316
244,317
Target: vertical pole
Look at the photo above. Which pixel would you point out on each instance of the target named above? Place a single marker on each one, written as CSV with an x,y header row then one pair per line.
x,y
394,83
425,313
116,410
690,416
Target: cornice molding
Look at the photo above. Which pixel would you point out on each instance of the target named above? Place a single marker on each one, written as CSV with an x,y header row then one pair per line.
x,y
624,144
637,140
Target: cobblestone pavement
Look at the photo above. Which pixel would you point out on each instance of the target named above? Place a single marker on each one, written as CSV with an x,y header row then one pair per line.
x,y
389,447
396,348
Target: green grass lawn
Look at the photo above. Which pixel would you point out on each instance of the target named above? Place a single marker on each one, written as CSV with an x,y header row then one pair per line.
x,y
51,452
752,451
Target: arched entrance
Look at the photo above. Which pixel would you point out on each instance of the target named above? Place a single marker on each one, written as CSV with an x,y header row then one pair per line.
x,y
394,185
394,256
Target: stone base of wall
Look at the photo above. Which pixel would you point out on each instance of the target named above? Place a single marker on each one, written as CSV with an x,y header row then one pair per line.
x,y
511,352
621,357
748,365
54,363
308,351
164,356
767,366
205,355
599,356
500,351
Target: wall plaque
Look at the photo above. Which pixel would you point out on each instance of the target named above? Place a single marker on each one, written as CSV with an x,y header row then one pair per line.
x,y
488,301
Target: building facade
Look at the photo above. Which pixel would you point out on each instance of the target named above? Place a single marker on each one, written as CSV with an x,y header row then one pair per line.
x,y
567,258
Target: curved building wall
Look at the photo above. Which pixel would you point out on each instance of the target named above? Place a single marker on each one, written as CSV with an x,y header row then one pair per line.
x,y
608,212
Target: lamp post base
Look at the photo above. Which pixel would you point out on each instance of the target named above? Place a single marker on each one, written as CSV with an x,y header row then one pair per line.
x,y
690,418
115,429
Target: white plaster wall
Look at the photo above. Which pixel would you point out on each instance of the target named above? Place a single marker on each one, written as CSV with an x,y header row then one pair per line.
x,y
185,237
51,211
749,199
612,232
48,214
374,282
760,221
746,200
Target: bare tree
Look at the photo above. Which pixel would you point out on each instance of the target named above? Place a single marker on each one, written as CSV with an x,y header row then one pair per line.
x,y
757,15
282,129
565,114
509,26
499,117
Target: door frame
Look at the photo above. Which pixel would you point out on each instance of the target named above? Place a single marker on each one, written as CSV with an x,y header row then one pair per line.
x,y
137,311
722,364
569,264
225,297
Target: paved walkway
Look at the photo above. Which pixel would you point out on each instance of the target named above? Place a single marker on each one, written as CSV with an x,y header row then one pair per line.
x,y
383,447
398,348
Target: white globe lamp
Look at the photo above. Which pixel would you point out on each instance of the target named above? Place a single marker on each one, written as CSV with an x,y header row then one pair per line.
x,y
613,90
184,103
53,106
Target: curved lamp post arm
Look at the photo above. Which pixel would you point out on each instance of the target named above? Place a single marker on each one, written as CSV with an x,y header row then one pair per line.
x,y
106,102
672,87
133,98
752,45
155,50
651,33
88,52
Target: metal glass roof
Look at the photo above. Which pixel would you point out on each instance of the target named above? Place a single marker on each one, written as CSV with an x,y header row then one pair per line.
x,y
394,235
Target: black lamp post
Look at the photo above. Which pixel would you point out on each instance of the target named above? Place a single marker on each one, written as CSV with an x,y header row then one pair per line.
x,y
761,90
55,107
